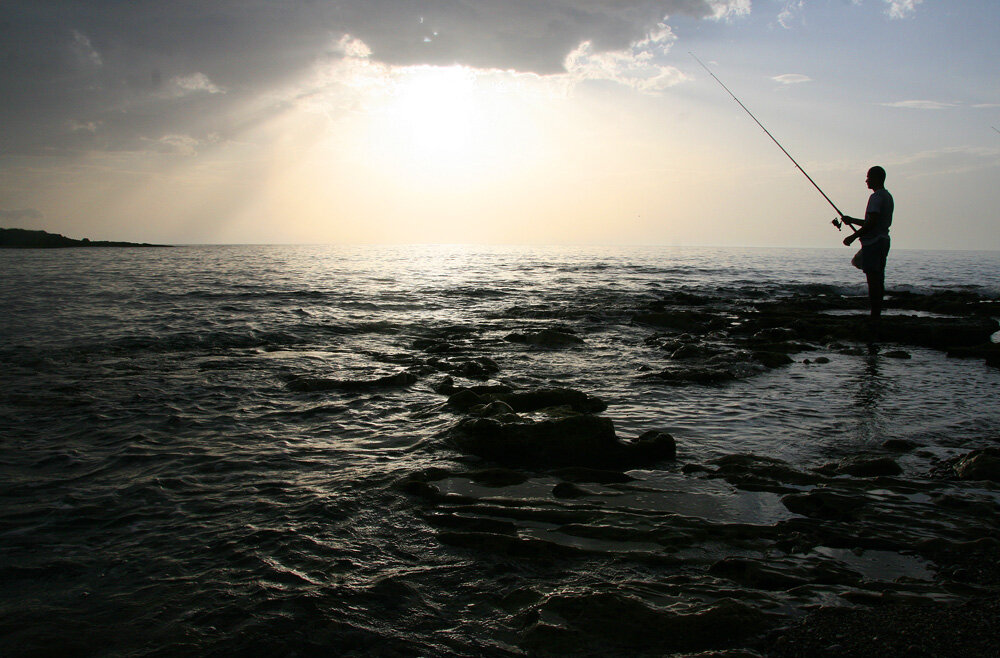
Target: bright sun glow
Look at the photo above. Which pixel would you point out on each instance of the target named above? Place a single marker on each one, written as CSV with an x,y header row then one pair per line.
x,y
445,124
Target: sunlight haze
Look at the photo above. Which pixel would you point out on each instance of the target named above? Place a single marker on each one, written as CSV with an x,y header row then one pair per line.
x,y
412,122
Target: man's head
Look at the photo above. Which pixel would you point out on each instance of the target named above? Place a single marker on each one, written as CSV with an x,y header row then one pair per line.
x,y
876,178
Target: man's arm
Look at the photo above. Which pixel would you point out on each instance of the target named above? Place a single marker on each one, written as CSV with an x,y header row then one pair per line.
x,y
864,226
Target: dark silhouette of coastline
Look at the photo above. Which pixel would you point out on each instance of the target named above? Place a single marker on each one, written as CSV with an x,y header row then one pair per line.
x,y
19,238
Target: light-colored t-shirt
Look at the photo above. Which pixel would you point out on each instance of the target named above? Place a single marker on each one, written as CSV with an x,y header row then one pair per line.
x,y
881,202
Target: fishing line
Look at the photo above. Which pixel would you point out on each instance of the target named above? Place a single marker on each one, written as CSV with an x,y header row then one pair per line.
x,y
836,223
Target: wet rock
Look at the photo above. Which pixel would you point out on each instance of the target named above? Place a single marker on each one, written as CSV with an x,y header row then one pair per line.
x,y
507,544
445,386
864,466
898,354
772,359
434,345
568,490
610,623
979,465
471,523
695,375
519,599
751,573
774,334
494,409
419,489
497,477
806,318
313,384
527,401
990,352
545,338
655,446
900,445
418,483
688,352
758,473
608,532
682,320
481,541
824,504
464,399
593,475
581,440
479,368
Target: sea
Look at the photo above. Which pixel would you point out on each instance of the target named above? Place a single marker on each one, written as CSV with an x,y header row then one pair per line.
x,y
165,490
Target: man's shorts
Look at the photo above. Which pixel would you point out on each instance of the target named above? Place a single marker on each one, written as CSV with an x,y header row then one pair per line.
x,y
873,256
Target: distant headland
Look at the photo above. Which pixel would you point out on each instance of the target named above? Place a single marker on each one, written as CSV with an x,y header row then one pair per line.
x,y
19,238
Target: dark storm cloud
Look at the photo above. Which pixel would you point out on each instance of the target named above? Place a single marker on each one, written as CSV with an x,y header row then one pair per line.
x,y
105,74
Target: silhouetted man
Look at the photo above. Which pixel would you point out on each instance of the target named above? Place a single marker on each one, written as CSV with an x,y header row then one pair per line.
x,y
874,236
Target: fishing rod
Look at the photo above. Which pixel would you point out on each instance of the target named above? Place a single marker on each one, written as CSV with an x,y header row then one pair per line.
x,y
837,222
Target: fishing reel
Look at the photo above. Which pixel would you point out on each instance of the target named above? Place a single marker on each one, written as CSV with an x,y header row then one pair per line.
x,y
839,224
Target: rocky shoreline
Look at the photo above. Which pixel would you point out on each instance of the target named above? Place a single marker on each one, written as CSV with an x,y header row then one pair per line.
x,y
16,238
878,563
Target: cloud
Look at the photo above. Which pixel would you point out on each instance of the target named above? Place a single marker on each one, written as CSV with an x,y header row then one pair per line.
x,y
84,51
791,78
922,105
20,214
82,126
901,8
196,82
175,144
144,69
789,12
633,67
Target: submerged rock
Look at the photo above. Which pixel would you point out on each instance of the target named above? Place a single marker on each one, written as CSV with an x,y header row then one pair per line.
x,y
824,504
752,573
580,440
900,445
682,320
581,474
695,375
526,401
864,466
465,399
774,334
655,446
980,465
312,384
772,359
495,409
493,401
497,477
759,473
568,490
545,338
611,623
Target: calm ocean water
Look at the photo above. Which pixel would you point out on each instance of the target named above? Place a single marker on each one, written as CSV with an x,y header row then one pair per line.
x,y
164,491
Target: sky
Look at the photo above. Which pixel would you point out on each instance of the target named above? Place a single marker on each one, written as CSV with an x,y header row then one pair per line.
x,y
498,121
